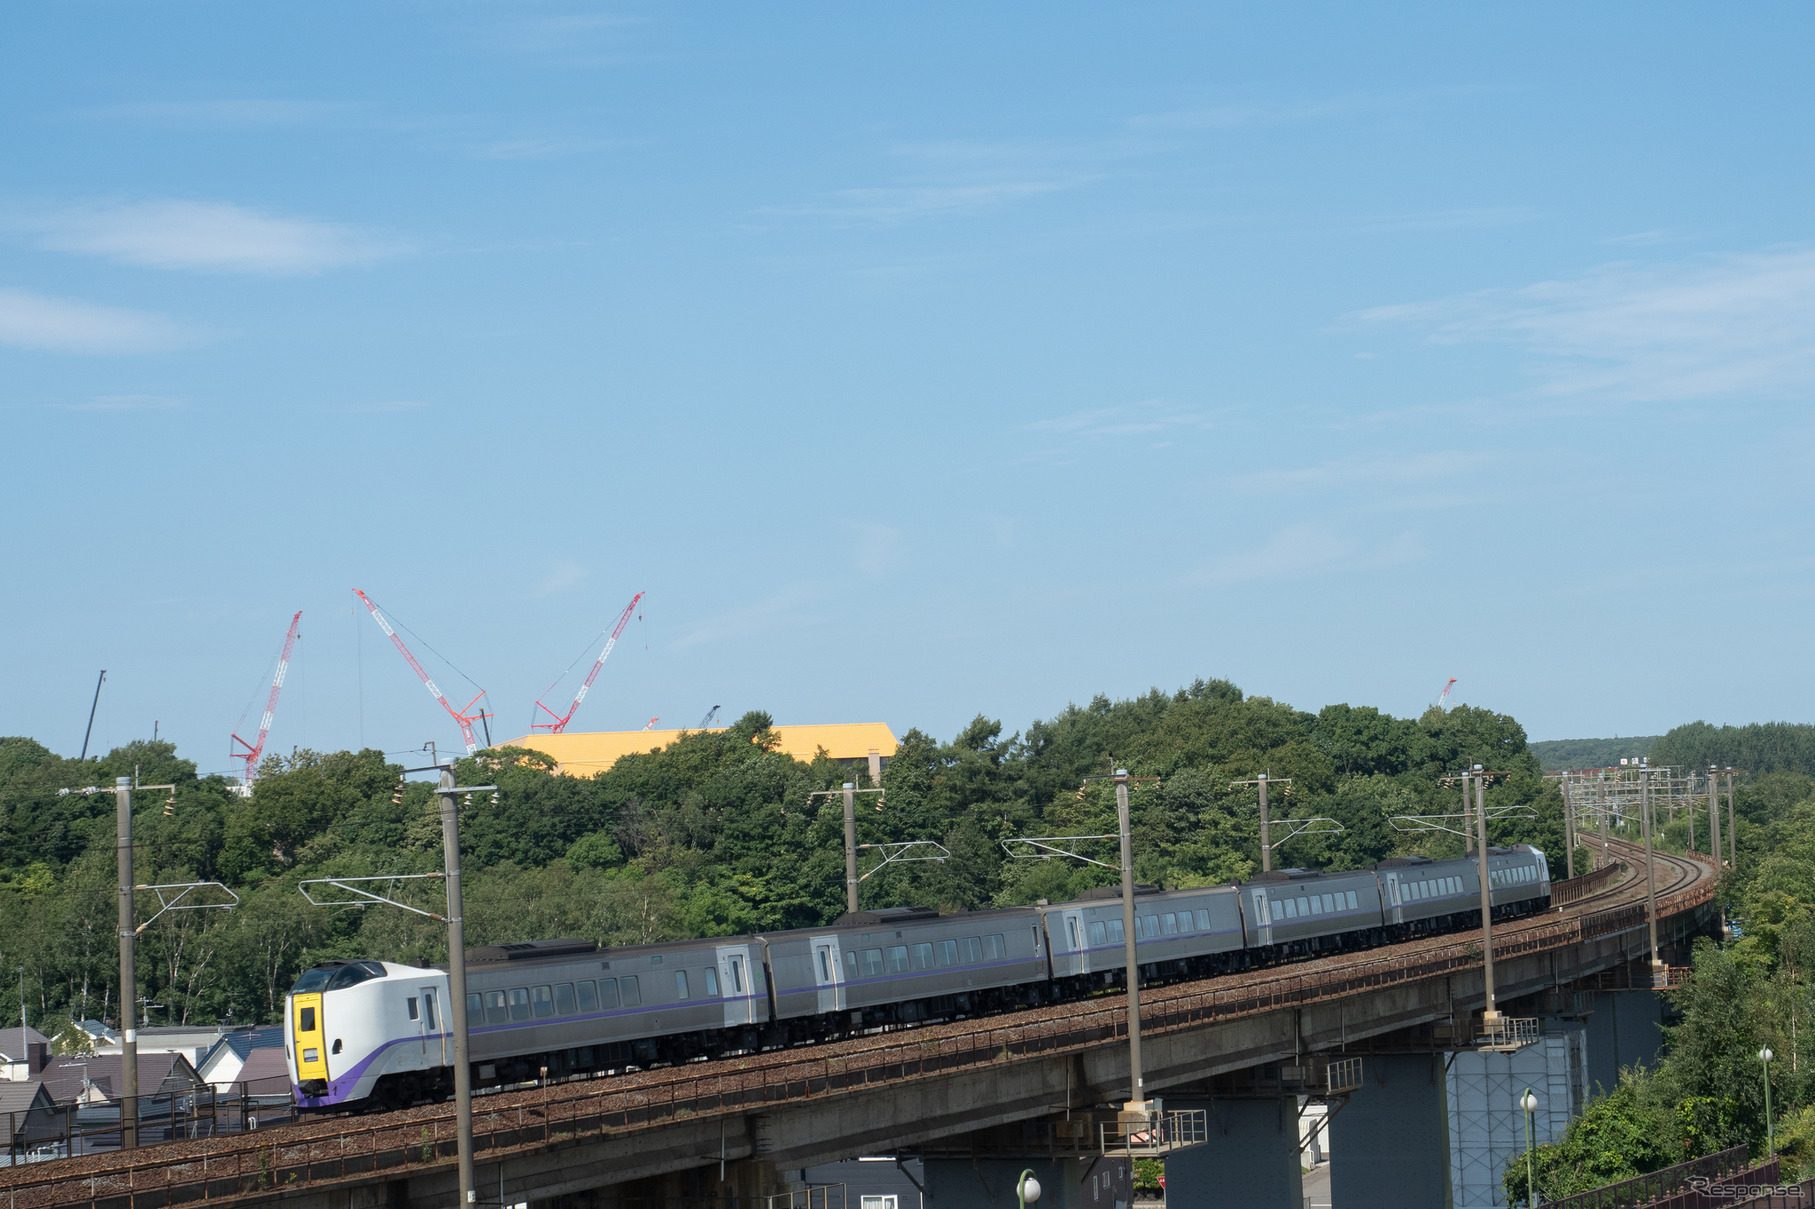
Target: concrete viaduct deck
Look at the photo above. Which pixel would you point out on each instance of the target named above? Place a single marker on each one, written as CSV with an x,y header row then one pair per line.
x,y
747,1118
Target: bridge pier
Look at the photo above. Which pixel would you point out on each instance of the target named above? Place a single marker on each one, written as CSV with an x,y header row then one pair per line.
x,y
1251,1160
989,1183
1623,1030
1390,1142
747,1184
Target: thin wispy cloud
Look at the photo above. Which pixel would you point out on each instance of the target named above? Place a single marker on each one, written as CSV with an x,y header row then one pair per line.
x,y
786,607
35,321
222,113
1692,330
563,576
961,177
1125,420
128,403
1416,468
1309,549
1248,115
203,236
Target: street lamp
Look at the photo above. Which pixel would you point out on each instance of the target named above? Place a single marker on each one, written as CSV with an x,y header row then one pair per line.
x,y
1529,1103
1764,1056
1027,1188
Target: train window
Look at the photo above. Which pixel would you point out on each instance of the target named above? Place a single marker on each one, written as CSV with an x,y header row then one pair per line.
x,y
497,1011
608,993
585,998
1302,905
1116,935
519,1003
970,949
825,965
995,948
428,1007
948,952
410,1006
1352,905
305,1021
1329,904
1169,924
898,959
923,956
1203,919
1071,930
680,984
737,975
1150,926
711,981
1099,932
872,962
850,963
542,999
473,1010
630,991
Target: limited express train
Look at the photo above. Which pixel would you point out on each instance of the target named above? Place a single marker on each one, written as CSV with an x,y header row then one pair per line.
x,y
375,1034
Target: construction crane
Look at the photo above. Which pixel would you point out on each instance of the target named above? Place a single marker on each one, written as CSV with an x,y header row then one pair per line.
x,y
650,725
462,718
707,720
561,720
1444,695
255,751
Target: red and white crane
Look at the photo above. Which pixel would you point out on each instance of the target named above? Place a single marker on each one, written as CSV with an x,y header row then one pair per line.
x,y
254,751
561,720
461,717
1444,695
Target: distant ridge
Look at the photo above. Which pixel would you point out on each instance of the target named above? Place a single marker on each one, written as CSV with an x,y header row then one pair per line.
x,y
1555,754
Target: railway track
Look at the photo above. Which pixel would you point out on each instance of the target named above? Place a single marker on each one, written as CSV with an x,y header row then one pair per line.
x,y
1602,904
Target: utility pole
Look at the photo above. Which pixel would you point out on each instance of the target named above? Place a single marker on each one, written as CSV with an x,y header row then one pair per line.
x,y
1732,829
1490,1016
1714,816
456,976
1137,1103
129,981
1569,828
1657,967
850,846
1266,821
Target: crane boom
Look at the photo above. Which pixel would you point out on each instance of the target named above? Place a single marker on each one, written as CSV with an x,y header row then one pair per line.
x,y
1444,695
561,720
459,716
254,751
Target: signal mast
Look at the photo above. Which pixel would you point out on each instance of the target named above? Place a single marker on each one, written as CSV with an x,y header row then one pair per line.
x,y
462,718
561,720
255,750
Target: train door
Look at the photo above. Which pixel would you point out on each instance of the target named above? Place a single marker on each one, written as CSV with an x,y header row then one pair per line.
x,y
1389,886
308,1026
1263,922
430,1024
828,973
1076,941
734,984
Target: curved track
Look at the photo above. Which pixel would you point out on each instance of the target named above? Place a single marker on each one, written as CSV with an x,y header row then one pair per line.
x,y
639,1098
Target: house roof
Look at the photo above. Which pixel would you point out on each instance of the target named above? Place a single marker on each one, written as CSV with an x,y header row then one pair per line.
x,y
10,1047
241,1043
23,1096
266,1070
584,753
157,1072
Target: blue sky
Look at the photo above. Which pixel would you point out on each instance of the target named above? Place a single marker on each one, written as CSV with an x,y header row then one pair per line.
x,y
920,363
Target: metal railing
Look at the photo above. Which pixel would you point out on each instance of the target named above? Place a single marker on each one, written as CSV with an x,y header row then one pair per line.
x,y
1575,889
569,1112
1655,1186
72,1130
1155,1136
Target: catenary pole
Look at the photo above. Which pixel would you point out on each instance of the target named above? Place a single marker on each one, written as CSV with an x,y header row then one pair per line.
x,y
1569,828
1138,1099
456,976
1650,871
850,846
1490,1018
1714,816
1266,848
1732,830
129,982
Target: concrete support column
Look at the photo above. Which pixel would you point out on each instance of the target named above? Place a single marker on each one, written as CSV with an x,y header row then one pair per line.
x,y
1389,1146
989,1183
1625,1028
747,1184
1250,1162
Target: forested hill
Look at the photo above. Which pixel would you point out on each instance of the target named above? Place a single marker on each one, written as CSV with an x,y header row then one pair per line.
x,y
1759,747
1555,754
713,835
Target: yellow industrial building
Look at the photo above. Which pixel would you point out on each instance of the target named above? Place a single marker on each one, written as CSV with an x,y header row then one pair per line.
x,y
583,754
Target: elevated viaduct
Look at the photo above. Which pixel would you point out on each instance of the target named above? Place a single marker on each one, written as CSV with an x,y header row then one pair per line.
x,y
727,1133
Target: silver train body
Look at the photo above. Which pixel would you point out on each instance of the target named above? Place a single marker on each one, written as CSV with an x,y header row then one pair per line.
x,y
374,1034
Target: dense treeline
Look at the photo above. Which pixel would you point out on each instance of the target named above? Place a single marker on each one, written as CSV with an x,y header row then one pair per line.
x,y
1557,754
712,835
1757,747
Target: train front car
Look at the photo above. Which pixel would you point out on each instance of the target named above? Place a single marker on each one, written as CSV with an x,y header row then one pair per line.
x,y
367,1034
1520,880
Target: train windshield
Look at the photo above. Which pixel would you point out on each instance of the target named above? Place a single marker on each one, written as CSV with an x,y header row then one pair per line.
x,y
335,977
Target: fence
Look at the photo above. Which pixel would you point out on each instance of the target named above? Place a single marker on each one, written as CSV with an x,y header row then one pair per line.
x,y
71,1130
190,1171
1659,1188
